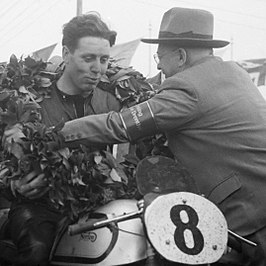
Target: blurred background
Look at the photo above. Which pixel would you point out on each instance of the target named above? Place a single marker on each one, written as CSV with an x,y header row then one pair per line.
x,y
35,26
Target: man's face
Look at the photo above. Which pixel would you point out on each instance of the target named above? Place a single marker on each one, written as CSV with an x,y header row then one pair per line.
x,y
167,60
86,64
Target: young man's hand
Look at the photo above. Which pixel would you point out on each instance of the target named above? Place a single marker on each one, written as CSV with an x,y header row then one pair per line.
x,y
31,186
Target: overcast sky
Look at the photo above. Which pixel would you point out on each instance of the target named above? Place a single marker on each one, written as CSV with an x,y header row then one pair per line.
x,y
29,25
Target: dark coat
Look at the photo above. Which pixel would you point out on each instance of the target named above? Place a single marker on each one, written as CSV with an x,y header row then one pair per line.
x,y
215,123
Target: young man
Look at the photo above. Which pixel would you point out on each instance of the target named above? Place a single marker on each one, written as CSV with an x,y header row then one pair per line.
x,y
214,118
86,51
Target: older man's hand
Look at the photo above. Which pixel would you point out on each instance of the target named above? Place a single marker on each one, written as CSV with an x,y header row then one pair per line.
x,y
31,186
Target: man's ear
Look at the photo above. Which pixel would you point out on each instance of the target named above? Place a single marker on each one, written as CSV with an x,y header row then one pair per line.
x,y
182,56
65,54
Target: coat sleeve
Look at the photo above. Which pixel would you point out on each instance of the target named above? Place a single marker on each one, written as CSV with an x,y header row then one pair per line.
x,y
113,127
102,128
169,110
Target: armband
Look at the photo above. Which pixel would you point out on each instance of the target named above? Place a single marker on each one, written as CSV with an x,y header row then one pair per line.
x,y
138,121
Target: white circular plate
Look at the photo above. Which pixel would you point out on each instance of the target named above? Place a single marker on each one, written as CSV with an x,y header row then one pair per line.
x,y
186,228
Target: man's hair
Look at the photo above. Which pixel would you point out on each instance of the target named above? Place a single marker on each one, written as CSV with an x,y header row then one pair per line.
x,y
89,24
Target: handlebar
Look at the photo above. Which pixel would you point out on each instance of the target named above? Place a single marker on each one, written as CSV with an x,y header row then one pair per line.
x,y
88,226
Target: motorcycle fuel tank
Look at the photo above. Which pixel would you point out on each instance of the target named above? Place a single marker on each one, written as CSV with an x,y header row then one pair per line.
x,y
117,244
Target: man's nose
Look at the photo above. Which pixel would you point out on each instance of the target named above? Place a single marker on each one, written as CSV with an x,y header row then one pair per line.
x,y
96,66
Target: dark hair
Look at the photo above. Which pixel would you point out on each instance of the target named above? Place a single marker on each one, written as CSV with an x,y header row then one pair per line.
x,y
89,24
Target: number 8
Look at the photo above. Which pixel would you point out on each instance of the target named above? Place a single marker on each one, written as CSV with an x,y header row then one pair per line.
x,y
191,225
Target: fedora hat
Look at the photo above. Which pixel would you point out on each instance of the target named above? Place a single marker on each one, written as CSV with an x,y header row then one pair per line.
x,y
187,27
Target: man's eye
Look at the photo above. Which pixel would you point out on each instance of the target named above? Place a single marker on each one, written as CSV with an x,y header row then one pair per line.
x,y
88,59
104,60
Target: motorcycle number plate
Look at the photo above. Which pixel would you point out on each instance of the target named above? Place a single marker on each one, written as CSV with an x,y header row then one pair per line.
x,y
186,228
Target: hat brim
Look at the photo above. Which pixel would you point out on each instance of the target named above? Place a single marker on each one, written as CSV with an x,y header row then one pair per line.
x,y
188,42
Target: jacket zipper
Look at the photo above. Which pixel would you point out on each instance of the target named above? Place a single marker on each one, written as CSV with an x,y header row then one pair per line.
x,y
75,110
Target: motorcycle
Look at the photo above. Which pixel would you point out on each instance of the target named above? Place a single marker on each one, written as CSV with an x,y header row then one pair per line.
x,y
167,227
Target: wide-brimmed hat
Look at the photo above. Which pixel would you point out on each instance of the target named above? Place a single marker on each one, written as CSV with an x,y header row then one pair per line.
x,y
188,28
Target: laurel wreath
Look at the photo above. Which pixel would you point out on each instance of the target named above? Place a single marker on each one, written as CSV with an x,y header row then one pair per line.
x,y
79,181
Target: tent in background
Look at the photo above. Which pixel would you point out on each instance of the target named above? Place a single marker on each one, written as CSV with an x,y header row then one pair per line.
x,y
44,53
256,68
124,52
257,71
